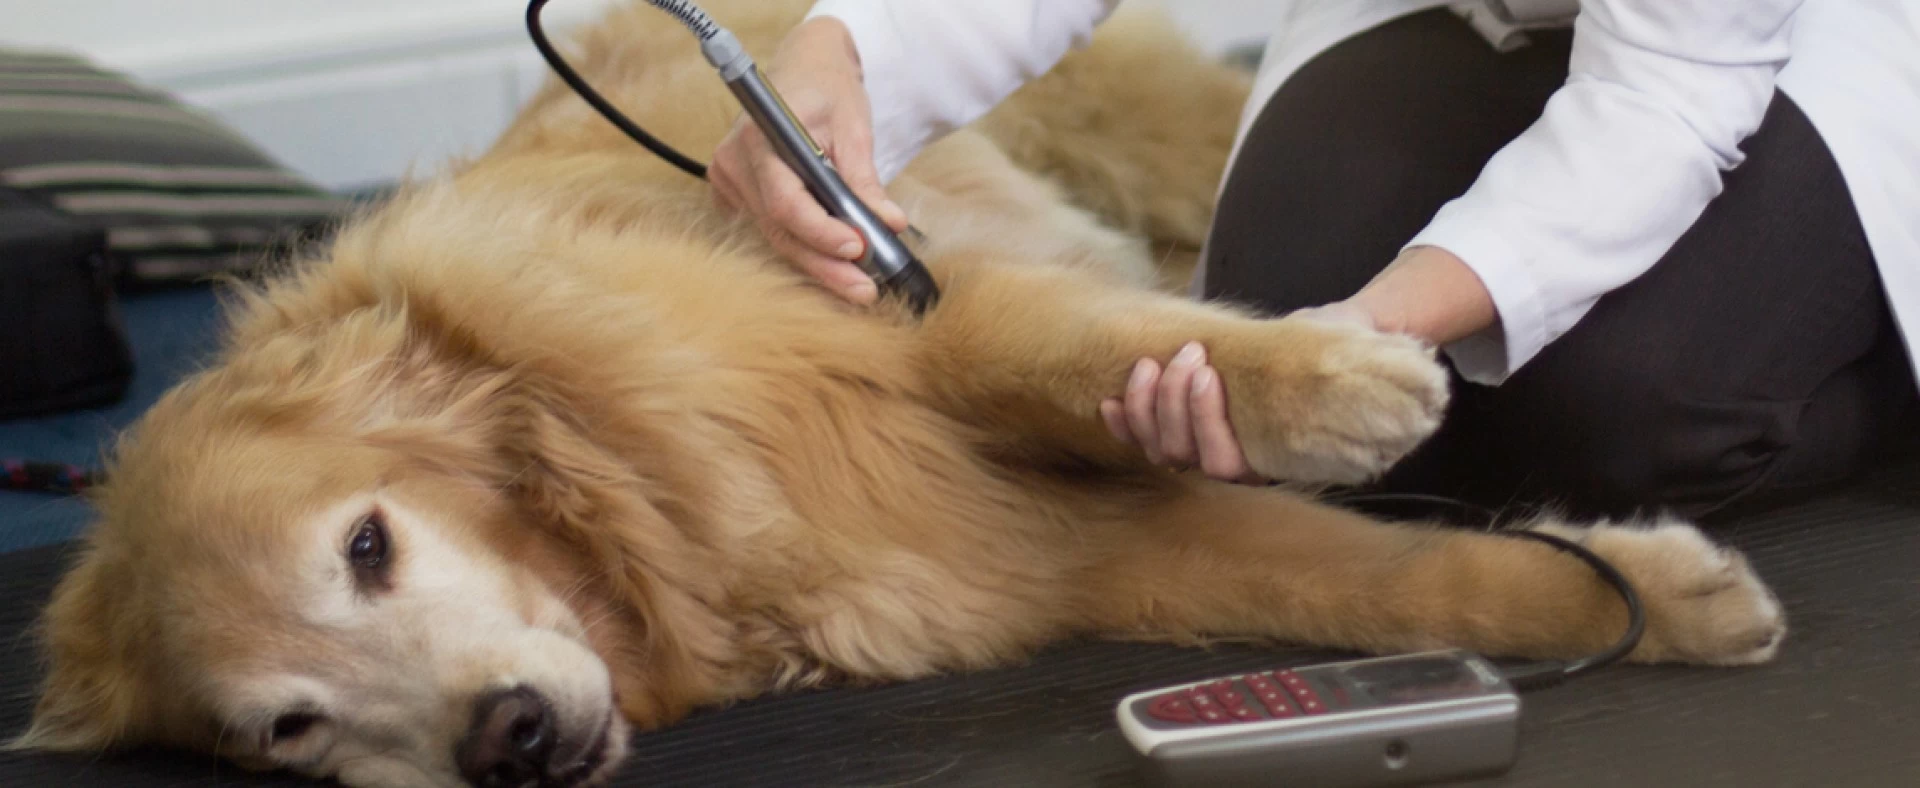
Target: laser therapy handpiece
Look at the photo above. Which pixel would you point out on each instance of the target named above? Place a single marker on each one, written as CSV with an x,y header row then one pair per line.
x,y
893,267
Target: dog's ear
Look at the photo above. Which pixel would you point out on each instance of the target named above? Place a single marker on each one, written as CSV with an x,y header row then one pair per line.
x,y
90,699
633,522
529,430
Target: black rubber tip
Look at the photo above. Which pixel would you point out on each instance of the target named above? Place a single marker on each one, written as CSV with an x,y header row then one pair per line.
x,y
915,285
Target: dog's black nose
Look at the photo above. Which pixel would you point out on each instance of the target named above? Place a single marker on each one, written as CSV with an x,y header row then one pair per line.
x,y
509,742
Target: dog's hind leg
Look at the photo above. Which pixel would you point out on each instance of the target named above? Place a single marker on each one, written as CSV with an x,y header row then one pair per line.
x,y
1033,351
1223,561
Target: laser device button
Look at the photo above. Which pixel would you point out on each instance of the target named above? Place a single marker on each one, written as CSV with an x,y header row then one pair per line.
x,y
1309,702
1172,708
1277,705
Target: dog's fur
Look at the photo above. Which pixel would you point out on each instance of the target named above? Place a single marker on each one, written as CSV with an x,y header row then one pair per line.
x,y
629,460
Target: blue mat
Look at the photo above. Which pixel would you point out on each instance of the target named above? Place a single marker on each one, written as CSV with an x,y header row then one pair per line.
x,y
170,331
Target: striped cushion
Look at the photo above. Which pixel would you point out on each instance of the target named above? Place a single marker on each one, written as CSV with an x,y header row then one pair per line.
x,y
180,195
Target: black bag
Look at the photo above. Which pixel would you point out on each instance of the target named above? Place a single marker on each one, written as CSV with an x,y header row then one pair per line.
x,y
63,343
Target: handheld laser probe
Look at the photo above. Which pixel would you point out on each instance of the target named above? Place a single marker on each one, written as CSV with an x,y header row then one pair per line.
x,y
887,260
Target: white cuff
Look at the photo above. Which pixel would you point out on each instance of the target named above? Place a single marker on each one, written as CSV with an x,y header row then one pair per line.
x,y
1489,357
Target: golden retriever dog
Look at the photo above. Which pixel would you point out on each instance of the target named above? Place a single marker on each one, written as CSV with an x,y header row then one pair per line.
x,y
547,449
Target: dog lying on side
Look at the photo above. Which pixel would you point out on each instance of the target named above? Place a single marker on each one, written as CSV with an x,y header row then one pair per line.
x,y
548,449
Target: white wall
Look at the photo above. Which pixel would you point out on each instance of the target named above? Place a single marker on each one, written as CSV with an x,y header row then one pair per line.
x,y
349,92
355,92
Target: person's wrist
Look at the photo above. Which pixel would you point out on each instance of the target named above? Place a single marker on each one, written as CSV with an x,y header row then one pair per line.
x,y
1384,307
1428,293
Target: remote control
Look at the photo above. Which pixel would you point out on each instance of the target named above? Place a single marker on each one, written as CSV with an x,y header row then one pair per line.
x,y
1399,720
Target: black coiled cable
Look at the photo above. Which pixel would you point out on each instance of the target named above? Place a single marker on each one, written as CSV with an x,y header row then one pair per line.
x,y
1546,673
688,15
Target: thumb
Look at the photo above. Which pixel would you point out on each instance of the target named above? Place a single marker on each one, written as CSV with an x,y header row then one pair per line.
x,y
853,156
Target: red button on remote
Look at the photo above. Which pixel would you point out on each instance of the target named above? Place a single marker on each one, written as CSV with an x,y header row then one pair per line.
x,y
1244,713
1171,708
1305,696
1276,704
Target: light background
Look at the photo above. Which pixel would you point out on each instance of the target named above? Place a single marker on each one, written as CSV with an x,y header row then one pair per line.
x,y
355,92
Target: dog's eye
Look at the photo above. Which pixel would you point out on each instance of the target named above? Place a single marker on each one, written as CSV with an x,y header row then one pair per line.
x,y
290,726
368,548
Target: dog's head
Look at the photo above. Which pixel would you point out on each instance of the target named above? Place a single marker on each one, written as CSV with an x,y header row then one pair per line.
x,y
340,555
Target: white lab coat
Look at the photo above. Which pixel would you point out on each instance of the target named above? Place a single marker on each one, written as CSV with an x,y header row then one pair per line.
x,y
1624,159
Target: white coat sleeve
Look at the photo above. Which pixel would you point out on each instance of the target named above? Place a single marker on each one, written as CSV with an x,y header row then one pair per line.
x,y
1625,157
932,66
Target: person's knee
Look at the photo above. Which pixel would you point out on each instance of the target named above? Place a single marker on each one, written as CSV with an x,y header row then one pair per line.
x,y
1623,436
1305,216
1325,190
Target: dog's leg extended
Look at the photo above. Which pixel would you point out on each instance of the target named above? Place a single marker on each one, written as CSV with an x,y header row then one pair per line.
x,y
1221,560
1037,348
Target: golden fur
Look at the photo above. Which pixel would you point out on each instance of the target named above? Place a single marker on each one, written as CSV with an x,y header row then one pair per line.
x,y
628,459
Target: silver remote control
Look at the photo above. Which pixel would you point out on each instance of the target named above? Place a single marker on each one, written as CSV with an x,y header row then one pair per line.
x,y
1400,720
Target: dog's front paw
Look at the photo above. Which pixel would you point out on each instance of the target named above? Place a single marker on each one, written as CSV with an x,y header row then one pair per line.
x,y
1326,403
1705,605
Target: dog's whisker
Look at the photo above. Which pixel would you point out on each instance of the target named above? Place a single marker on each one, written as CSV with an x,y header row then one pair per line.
x,y
501,489
581,586
218,739
598,620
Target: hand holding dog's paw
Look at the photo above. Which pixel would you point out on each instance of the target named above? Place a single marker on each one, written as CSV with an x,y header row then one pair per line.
x,y
1705,605
1317,400
1178,416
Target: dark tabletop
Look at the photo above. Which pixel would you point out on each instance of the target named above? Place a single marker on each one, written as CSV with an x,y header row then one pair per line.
x,y
1836,709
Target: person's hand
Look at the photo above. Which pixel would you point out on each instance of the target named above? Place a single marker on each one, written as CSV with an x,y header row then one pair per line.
x,y
817,70
1429,294
1178,415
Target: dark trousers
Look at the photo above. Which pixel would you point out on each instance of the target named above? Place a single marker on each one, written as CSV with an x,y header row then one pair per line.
x,y
1757,359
